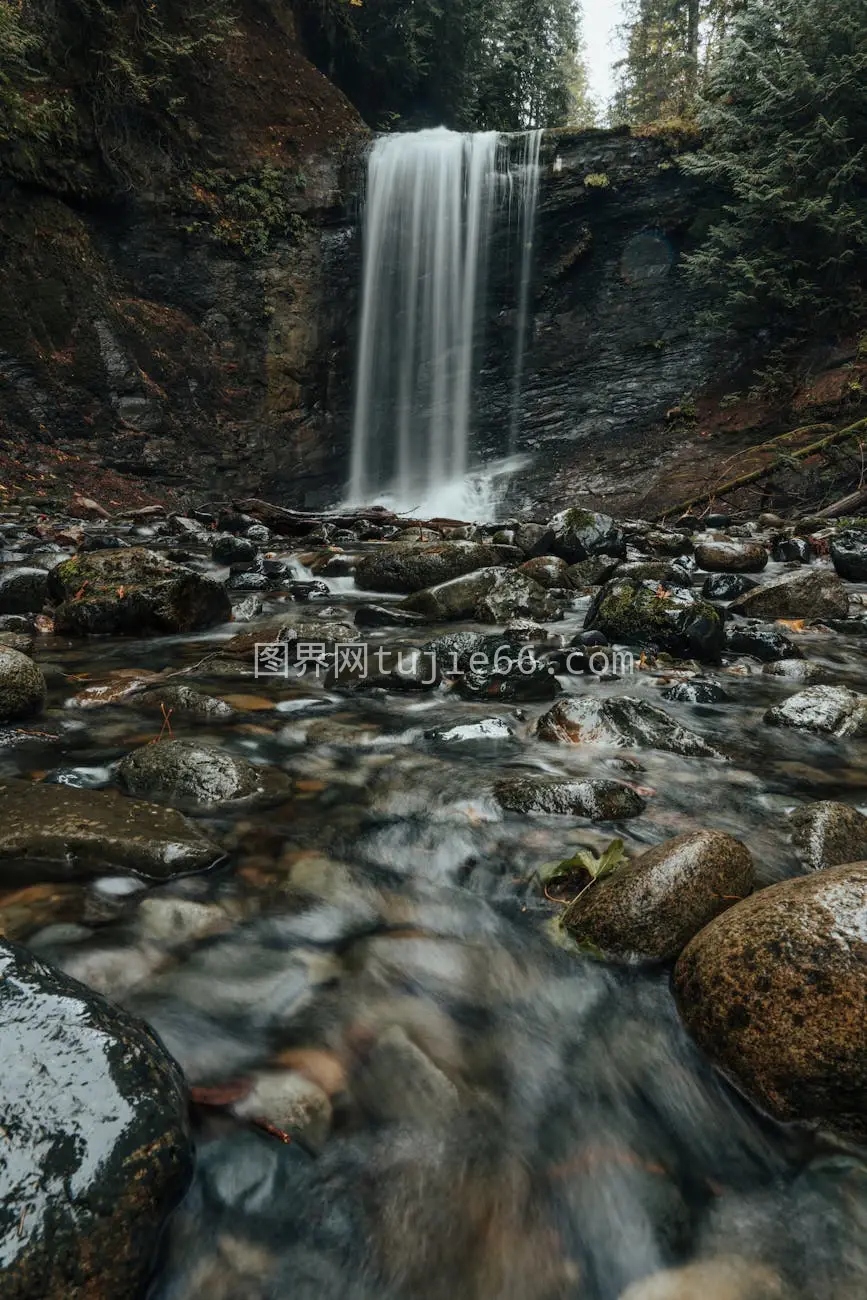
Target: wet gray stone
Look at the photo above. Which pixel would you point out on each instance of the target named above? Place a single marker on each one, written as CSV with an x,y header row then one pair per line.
x,y
622,722
200,777
827,834
96,1146
832,710
22,686
600,800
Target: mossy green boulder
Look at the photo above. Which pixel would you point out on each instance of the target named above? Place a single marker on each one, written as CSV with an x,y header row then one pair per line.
x,y
637,613
133,592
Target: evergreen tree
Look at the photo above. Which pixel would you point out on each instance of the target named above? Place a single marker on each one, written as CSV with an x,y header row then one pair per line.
x,y
785,123
467,64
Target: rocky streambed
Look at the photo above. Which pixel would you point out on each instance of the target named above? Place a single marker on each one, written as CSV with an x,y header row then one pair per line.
x,y
397,911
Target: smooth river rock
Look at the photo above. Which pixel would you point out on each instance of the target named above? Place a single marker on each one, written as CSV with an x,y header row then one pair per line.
x,y
200,777
96,1150
725,1277
731,557
403,569
654,905
22,686
60,832
775,992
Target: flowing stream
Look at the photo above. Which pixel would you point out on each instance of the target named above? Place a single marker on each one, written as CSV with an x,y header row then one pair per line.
x,y
507,1121
434,200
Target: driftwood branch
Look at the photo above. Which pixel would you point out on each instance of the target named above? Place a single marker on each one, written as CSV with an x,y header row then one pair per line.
x,y
842,507
295,523
815,448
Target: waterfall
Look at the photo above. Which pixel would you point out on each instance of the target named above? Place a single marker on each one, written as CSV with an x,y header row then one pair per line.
x,y
432,201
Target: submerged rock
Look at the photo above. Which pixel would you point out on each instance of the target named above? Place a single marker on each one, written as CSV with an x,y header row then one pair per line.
x,y
199,777
22,686
641,613
731,557
133,592
849,554
795,670
834,710
184,702
404,569
23,590
229,549
827,834
654,905
624,723
59,832
774,992
575,535
792,550
807,593
385,616
600,800
96,1145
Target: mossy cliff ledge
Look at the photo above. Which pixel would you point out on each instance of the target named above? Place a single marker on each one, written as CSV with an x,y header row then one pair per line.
x,y
179,270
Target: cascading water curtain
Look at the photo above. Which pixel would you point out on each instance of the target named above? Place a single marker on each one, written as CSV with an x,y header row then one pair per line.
x,y
528,207
431,203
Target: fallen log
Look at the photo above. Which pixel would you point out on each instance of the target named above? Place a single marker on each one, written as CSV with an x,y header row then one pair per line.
x,y
294,523
842,507
815,448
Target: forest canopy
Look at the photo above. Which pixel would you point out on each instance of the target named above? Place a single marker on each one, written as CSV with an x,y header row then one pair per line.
x,y
466,64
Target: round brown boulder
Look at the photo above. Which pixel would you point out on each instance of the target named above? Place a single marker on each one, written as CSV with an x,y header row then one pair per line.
x,y
652,907
775,992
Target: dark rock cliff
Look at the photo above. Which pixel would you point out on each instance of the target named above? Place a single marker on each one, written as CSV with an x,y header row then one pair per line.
x,y
199,332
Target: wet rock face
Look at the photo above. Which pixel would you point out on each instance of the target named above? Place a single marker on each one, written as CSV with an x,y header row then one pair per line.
x,y
403,570
23,591
827,834
810,593
136,592
576,535
601,801
774,992
653,906
832,710
199,777
22,686
641,613
57,832
725,1277
96,1148
849,554
731,557
697,692
622,723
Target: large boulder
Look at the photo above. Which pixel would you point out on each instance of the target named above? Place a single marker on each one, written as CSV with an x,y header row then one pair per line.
x,y
805,593
600,800
774,992
849,554
576,534
23,590
828,710
134,592
653,906
403,569
60,832
639,613
623,723
549,571
489,596
731,557
200,777
96,1146
22,686
827,834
